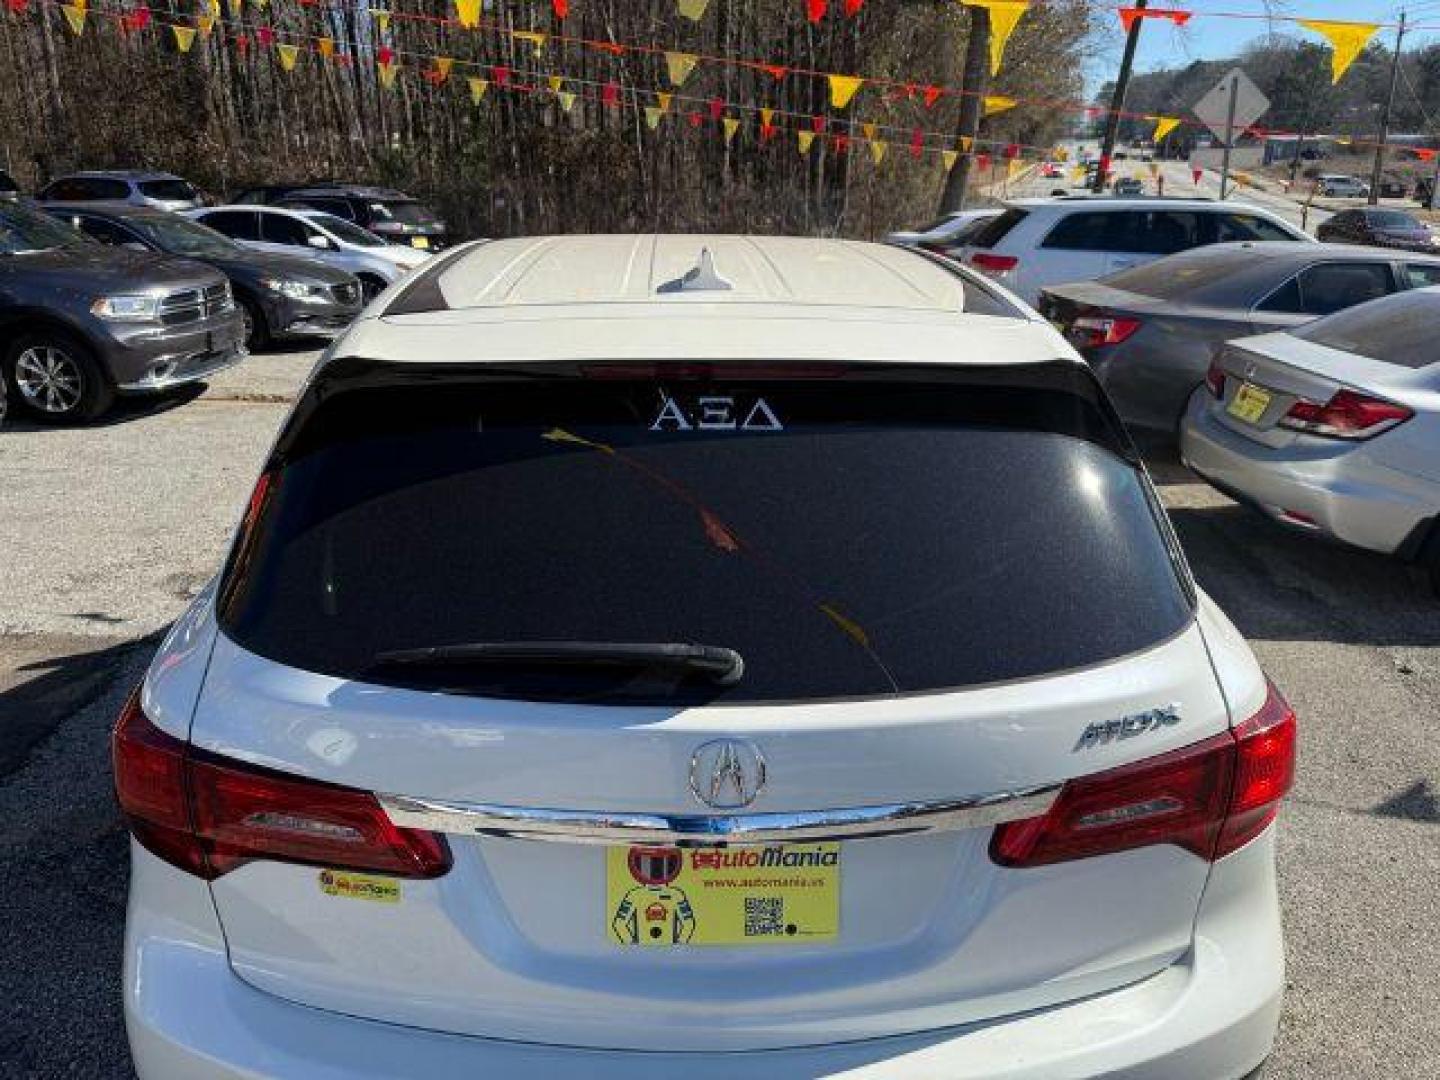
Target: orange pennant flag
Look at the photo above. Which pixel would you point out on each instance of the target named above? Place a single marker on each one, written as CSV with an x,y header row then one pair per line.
x,y
443,64
1347,41
664,100
326,46
843,88
205,24
1004,14
679,66
966,142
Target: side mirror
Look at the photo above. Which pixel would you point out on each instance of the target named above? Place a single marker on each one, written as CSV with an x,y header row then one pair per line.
x,y
319,242
134,245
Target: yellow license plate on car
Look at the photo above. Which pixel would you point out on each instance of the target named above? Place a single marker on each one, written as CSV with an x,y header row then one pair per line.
x,y
420,241
1249,403
778,894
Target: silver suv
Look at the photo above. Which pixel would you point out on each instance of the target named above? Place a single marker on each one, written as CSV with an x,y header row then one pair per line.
x,y
162,190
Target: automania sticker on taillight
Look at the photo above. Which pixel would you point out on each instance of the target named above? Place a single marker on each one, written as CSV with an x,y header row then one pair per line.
x,y
208,814
1210,798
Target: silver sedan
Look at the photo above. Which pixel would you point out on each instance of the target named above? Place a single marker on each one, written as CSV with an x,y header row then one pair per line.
x,y
1332,428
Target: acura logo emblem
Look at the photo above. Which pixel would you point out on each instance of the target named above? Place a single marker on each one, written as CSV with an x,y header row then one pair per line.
x,y
727,773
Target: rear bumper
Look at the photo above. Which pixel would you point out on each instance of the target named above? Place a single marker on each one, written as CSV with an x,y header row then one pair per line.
x,y
1211,1016
1348,495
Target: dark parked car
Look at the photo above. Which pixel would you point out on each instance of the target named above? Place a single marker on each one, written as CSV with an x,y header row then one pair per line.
x,y
390,215
1150,332
1379,227
1129,185
80,323
163,191
279,295
8,188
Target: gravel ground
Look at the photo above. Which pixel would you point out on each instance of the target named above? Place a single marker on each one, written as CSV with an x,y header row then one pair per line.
x,y
107,531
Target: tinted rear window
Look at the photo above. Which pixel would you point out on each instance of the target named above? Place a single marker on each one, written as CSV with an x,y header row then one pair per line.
x,y
167,190
996,229
1184,277
1400,329
846,540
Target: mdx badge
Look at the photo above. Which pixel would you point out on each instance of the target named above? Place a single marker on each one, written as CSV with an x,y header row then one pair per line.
x,y
1127,727
727,773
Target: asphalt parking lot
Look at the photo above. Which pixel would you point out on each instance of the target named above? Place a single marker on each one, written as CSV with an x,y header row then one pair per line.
x,y
105,533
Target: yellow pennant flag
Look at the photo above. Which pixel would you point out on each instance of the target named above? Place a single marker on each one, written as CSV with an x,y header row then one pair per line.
x,y
995,103
949,157
535,40
326,46
213,6
555,82
767,116
205,23
184,37
804,139
1164,125
653,116
236,7
1015,168
877,151
1004,14
664,100
680,65
468,11
387,75
477,89
567,100
1347,39
382,20
75,16
1078,172
443,64
842,89
693,9
287,54
731,126
966,142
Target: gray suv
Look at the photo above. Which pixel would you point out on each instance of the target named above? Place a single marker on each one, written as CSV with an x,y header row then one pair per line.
x,y
80,323
161,190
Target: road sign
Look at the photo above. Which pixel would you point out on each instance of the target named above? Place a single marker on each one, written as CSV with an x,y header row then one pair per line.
x,y
1214,108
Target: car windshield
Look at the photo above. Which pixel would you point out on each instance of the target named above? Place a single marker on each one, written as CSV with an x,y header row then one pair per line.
x,y
181,236
1396,220
173,190
346,230
1400,329
979,535
406,213
23,232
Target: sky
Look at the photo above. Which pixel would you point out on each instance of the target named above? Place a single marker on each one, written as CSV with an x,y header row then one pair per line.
x,y
1162,45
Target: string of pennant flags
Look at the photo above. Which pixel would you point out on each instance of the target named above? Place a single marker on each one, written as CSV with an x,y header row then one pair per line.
x,y
1347,41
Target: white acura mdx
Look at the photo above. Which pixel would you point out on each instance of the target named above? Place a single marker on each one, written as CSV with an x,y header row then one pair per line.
x,y
709,657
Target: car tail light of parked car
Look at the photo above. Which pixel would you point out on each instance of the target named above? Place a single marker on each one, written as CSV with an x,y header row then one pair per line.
x,y
1215,377
1210,798
1097,331
208,815
993,264
1347,415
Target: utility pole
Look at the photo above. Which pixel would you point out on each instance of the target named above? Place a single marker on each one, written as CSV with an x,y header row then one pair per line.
x,y
1117,98
972,107
1385,116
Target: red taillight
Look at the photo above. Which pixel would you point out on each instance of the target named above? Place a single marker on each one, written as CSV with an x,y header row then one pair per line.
x,y
1347,415
1215,378
993,264
1210,798
208,814
1094,331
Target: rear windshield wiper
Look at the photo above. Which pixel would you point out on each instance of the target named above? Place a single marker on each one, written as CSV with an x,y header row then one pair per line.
x,y
722,666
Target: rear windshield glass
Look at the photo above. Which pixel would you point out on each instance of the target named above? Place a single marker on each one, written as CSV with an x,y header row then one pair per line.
x,y
1401,329
1393,219
1184,276
407,213
997,228
845,540
169,190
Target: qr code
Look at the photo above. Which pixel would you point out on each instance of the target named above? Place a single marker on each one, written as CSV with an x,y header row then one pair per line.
x,y
764,915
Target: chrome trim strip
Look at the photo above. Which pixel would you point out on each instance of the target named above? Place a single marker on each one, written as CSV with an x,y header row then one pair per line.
x,y
699,830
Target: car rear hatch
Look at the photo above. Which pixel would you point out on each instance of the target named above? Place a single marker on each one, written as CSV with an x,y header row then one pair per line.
x,y
952,593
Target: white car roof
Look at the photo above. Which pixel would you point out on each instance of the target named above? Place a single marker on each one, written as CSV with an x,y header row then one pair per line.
x,y
594,297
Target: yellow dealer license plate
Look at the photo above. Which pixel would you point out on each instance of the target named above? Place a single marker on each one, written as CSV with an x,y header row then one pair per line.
x,y
420,241
1249,403
773,895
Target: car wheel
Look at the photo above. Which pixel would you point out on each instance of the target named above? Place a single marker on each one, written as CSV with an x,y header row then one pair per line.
x,y
252,319
57,378
370,287
1430,558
